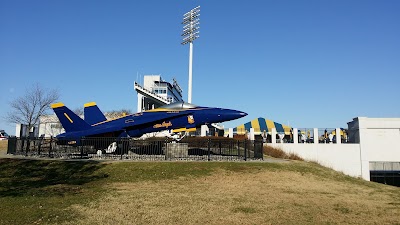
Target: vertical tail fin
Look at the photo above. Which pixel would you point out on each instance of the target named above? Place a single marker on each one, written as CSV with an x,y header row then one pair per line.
x,y
69,120
93,114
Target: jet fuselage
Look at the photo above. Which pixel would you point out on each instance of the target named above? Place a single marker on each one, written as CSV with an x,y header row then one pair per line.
x,y
177,115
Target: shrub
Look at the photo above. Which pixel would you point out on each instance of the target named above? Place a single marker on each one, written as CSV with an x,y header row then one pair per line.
x,y
279,153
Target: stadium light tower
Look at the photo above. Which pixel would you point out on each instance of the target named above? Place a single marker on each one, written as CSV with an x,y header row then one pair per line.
x,y
190,33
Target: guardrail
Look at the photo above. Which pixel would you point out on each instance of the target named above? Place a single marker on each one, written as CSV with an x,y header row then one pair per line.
x,y
191,149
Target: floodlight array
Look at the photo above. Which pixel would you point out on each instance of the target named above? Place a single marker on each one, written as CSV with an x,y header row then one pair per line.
x,y
191,21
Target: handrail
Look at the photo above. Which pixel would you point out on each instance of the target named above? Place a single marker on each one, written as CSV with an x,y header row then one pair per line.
x,y
151,94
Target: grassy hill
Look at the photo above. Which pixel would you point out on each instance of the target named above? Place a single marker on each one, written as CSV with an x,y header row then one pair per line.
x,y
88,192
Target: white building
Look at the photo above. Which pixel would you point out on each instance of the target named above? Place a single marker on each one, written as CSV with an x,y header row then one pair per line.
x,y
373,148
156,92
50,126
379,140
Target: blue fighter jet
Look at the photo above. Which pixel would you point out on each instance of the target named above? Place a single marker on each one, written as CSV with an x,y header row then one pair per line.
x,y
172,116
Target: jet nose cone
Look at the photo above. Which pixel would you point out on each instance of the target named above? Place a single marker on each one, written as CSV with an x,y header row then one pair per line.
x,y
242,114
218,115
235,114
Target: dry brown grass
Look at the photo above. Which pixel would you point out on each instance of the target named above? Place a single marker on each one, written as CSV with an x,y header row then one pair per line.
x,y
226,197
3,146
279,153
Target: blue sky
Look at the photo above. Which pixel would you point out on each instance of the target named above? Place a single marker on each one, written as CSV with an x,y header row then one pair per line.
x,y
310,63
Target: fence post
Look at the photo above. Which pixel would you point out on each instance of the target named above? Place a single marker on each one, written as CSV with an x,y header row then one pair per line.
x,y
208,147
121,146
262,151
40,144
245,150
12,145
230,147
81,140
238,148
51,144
34,146
165,148
220,148
254,149
338,136
27,146
316,136
22,144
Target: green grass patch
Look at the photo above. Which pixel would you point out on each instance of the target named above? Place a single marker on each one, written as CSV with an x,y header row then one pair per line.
x,y
43,191
36,191
32,177
157,171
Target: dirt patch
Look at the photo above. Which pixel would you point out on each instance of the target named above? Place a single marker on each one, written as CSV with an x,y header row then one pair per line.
x,y
228,197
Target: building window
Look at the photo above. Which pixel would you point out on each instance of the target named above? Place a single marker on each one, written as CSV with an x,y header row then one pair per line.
x,y
160,91
55,126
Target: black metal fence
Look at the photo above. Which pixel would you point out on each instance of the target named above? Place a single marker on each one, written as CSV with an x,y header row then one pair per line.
x,y
203,149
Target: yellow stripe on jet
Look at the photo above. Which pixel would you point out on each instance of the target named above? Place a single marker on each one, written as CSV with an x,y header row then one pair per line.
x,y
57,105
66,115
160,110
89,104
183,129
178,130
172,109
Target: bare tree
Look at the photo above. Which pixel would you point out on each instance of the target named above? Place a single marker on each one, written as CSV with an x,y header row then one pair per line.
x,y
117,113
78,111
28,108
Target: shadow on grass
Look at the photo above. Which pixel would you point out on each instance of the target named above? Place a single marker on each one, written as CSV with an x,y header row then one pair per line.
x,y
19,177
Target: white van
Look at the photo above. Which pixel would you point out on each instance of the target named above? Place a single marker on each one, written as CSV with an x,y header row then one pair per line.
x,y
3,135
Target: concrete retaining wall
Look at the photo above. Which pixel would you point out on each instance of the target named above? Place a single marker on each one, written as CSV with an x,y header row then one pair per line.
x,y
343,157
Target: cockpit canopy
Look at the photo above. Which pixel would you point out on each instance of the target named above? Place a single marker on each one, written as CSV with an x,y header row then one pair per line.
x,y
179,105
